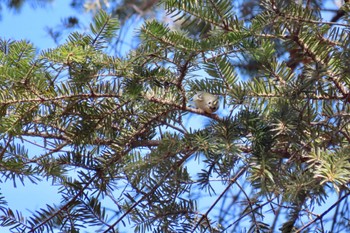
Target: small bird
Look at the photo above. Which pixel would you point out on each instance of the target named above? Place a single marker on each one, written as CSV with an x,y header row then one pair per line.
x,y
205,101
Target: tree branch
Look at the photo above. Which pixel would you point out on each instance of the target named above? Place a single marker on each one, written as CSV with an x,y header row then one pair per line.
x,y
232,181
65,206
323,214
159,183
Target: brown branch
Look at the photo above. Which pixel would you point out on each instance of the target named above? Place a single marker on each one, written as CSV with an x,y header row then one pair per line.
x,y
218,12
232,181
250,205
183,72
46,135
52,99
340,13
319,217
336,214
51,151
247,213
3,149
314,21
304,97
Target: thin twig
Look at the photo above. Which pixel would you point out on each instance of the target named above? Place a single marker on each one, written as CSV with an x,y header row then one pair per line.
x,y
64,97
315,21
232,181
247,213
250,205
319,217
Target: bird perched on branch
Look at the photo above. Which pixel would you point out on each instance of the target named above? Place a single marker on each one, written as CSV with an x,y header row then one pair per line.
x,y
205,101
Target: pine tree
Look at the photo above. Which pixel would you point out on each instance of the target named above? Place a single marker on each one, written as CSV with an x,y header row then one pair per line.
x,y
112,132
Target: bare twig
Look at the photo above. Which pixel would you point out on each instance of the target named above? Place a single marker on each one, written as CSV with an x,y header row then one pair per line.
x,y
319,217
247,213
232,181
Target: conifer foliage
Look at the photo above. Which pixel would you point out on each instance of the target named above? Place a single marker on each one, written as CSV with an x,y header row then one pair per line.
x,y
113,132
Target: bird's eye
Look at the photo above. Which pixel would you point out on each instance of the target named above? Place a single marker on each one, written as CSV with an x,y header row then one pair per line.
x,y
209,102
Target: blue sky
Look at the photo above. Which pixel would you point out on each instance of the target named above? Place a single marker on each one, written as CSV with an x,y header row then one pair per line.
x,y
30,23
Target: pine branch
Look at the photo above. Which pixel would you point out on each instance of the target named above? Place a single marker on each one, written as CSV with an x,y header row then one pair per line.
x,y
65,207
318,22
340,13
319,60
79,96
145,196
323,61
4,149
